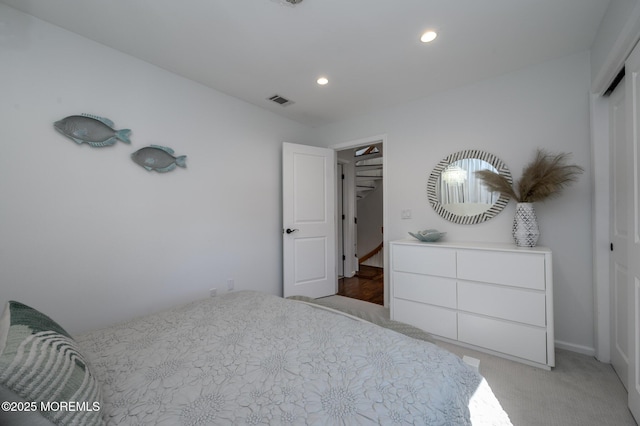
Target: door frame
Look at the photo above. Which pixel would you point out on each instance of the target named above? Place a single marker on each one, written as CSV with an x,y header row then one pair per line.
x,y
347,228
382,138
339,221
619,231
601,220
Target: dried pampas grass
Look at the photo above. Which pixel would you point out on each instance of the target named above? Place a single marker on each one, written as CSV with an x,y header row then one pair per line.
x,y
545,177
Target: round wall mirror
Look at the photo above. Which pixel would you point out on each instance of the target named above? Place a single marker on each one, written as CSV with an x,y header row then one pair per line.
x,y
457,195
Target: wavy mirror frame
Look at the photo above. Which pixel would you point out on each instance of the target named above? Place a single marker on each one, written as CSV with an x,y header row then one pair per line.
x,y
432,183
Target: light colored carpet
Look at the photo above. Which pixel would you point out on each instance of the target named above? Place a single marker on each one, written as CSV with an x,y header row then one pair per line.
x,y
579,391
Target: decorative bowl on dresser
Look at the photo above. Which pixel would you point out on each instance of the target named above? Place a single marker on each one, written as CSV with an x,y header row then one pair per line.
x,y
428,235
493,297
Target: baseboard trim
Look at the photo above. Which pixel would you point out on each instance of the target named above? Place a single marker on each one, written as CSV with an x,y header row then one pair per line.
x,y
585,350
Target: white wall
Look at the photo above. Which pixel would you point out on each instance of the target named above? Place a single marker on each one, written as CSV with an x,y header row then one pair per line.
x,y
91,238
545,106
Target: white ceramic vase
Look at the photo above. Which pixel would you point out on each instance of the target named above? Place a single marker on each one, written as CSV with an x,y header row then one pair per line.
x,y
525,226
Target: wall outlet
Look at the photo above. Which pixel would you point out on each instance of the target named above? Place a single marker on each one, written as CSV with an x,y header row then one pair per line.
x,y
230,284
405,214
213,292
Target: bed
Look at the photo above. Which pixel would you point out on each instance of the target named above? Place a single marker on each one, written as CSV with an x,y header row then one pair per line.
x,y
248,358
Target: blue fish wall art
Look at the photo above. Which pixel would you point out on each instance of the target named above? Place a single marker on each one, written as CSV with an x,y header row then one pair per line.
x,y
93,130
158,158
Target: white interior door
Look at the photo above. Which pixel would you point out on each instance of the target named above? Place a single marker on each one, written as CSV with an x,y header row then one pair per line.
x,y
308,221
632,71
618,268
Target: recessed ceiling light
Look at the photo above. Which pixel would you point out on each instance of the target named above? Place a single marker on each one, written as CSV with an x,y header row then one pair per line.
x,y
428,36
322,81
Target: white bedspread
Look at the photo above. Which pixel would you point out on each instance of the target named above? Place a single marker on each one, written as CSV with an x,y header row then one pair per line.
x,y
251,358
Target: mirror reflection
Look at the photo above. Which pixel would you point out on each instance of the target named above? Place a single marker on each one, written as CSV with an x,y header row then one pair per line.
x,y
457,195
460,192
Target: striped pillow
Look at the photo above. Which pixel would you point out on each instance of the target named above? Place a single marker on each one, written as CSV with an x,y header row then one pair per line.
x,y
40,362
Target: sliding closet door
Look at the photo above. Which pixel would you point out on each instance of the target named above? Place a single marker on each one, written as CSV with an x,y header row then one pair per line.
x,y
632,69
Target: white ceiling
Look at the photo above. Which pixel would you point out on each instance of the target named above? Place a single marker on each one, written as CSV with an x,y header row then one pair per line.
x,y
369,49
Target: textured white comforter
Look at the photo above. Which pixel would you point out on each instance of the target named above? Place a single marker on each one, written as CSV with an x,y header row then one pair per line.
x,y
251,358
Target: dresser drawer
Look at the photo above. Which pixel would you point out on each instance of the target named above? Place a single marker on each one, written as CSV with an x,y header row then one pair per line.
x,y
424,260
508,268
503,302
432,319
425,288
519,340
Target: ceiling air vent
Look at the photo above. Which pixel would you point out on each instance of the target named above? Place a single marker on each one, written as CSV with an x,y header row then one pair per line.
x,y
280,100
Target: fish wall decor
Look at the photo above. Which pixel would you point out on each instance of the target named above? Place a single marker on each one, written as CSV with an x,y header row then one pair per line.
x,y
158,158
95,131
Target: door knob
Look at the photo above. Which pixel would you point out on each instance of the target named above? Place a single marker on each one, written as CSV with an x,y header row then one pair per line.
x,y
290,231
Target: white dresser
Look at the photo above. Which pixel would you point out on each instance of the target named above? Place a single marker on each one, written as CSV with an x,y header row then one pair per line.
x,y
496,298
